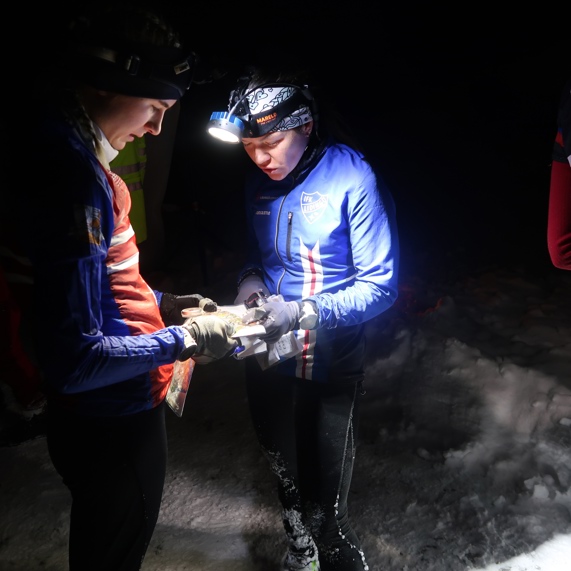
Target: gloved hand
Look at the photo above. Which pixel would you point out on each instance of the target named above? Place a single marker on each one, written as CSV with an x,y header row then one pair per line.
x,y
248,286
280,317
212,335
172,305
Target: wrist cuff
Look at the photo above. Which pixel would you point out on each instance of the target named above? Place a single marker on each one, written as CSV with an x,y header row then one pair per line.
x,y
189,340
308,315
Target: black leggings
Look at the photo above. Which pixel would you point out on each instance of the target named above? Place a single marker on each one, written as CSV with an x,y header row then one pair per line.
x,y
307,430
115,470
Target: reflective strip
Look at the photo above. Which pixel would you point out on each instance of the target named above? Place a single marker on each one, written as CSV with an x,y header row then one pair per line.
x,y
18,279
133,260
122,237
6,252
312,284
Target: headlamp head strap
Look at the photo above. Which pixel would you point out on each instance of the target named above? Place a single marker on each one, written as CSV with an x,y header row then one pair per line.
x,y
167,74
267,120
271,107
128,50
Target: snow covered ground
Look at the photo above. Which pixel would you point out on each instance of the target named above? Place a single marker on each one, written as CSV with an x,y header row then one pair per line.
x,y
464,459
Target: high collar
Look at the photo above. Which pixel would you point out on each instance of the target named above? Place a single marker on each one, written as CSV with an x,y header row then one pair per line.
x,y
311,155
105,147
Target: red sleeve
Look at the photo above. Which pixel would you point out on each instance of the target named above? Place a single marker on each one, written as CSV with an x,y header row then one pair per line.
x,y
559,216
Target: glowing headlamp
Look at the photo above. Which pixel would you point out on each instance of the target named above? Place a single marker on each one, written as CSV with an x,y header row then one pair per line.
x,y
230,126
226,127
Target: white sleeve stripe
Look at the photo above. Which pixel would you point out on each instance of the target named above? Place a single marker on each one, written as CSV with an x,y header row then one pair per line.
x,y
112,268
122,237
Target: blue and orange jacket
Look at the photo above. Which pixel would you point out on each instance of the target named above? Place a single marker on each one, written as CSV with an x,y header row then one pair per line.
x,y
326,233
101,343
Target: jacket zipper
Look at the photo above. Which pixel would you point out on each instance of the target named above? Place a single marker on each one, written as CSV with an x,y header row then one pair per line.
x,y
289,230
288,240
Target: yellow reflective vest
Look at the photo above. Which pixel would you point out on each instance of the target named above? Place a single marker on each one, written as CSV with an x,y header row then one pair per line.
x,y
130,164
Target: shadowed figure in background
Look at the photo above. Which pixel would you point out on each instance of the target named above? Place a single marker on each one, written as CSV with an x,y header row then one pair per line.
x,y
559,214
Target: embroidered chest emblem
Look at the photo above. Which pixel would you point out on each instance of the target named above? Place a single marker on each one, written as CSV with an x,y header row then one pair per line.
x,y
313,205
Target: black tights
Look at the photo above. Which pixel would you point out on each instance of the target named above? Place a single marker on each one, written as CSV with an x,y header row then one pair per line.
x,y
307,430
115,470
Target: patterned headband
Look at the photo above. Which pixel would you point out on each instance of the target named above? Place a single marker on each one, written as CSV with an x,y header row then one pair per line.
x,y
265,98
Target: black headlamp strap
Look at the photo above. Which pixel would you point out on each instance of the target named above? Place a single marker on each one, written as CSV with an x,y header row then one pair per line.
x,y
177,75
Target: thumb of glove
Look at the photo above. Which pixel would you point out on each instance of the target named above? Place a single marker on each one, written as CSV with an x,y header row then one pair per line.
x,y
281,317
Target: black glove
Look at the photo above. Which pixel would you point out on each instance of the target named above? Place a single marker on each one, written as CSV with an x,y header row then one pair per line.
x,y
213,337
280,317
172,305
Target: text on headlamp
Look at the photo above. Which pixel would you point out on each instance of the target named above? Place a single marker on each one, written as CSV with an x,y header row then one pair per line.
x,y
266,118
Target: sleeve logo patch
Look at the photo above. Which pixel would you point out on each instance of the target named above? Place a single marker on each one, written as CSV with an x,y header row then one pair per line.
x,y
90,218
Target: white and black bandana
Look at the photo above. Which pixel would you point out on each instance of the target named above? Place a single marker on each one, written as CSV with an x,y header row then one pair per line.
x,y
261,102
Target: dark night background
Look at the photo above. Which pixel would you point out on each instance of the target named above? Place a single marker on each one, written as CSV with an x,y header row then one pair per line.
x,y
455,104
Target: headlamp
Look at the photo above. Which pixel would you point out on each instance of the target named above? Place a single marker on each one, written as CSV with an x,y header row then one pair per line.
x,y
230,126
226,127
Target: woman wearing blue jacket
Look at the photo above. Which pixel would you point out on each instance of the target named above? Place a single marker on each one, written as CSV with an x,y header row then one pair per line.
x,y
322,235
105,342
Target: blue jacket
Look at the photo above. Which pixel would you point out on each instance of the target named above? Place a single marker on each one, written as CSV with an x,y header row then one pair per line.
x,y
101,343
327,233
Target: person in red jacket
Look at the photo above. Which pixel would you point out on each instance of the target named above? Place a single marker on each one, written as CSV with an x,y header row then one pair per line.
x,y
559,212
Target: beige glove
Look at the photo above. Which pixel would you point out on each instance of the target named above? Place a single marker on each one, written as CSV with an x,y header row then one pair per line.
x,y
213,335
